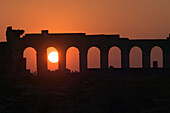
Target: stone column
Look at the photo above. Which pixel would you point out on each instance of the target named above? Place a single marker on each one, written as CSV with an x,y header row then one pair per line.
x,y
104,60
146,58
41,61
83,61
62,60
166,57
125,59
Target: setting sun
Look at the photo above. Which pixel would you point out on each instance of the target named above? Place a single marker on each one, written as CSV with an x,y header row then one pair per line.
x,y
53,57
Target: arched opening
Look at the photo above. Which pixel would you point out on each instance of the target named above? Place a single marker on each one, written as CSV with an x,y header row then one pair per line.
x,y
52,66
114,57
93,58
136,57
72,59
157,57
31,59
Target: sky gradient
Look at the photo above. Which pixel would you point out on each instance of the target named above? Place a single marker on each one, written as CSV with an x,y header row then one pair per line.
x,y
129,18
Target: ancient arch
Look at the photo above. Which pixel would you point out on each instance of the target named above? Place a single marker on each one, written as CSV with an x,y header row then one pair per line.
x,y
93,57
114,57
73,59
31,59
157,55
51,66
135,57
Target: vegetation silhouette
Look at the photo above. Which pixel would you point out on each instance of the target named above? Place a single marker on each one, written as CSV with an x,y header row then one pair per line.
x,y
75,92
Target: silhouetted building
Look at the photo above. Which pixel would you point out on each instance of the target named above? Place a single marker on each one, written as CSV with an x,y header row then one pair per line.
x,y
12,61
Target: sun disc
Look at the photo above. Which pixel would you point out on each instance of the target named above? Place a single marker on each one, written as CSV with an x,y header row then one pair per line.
x,y
53,57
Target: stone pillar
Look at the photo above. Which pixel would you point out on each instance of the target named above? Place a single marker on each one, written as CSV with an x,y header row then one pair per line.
x,y
41,61
83,61
166,57
104,60
62,60
146,58
166,54
125,59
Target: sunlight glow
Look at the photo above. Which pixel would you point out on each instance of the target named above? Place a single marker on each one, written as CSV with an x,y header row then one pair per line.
x,y
53,57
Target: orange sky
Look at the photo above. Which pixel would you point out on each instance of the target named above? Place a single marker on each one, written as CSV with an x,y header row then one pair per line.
x,y
129,18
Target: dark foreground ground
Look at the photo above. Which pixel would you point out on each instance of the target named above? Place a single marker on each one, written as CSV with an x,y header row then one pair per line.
x,y
73,93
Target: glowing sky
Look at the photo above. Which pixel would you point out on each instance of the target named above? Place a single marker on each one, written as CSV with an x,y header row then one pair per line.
x,y
129,18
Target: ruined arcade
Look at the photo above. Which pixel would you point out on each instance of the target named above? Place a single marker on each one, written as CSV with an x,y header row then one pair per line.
x,y
12,60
